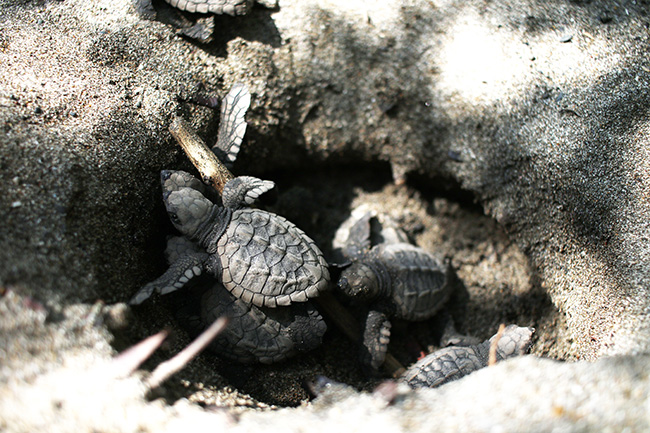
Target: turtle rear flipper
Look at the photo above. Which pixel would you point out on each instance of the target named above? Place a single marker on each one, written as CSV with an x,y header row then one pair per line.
x,y
145,9
376,336
232,124
180,272
307,327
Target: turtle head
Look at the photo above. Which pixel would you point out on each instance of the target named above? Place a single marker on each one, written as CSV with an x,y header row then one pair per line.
x,y
359,281
188,210
173,180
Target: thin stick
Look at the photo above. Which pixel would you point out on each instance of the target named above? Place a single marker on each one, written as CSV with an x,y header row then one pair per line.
x,y
341,316
180,360
492,358
126,362
212,171
392,366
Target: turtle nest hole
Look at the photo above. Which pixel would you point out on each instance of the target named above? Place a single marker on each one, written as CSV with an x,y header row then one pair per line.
x,y
495,284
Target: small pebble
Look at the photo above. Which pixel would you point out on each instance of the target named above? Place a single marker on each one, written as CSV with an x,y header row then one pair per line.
x,y
566,38
16,204
606,19
454,156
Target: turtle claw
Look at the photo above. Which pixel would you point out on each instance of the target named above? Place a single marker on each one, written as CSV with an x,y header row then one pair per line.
x,y
148,290
142,295
168,289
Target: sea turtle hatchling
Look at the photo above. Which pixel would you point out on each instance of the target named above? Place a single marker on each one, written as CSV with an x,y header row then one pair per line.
x,y
396,279
253,334
454,362
178,13
260,257
218,7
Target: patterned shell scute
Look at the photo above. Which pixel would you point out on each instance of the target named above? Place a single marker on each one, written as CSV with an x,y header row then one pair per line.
x,y
219,7
261,335
268,261
443,366
418,278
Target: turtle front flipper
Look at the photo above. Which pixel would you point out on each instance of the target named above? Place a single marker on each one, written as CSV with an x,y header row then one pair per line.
x,y
358,241
371,230
232,125
176,277
244,190
376,336
364,229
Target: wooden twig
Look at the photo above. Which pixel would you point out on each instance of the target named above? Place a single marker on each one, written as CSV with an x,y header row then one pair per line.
x,y
180,360
212,171
492,358
130,359
340,315
393,366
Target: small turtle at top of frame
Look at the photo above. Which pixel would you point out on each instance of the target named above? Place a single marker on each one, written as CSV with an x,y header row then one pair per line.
x,y
177,13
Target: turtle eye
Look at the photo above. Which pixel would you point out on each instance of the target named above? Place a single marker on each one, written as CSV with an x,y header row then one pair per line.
x,y
175,219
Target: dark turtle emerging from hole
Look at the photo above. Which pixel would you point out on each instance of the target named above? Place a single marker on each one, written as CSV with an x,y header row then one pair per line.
x,y
179,14
195,18
258,256
452,363
253,334
219,7
394,278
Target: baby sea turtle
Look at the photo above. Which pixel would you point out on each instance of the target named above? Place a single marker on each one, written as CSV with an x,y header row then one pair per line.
x,y
396,279
260,257
179,13
219,7
253,334
452,363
